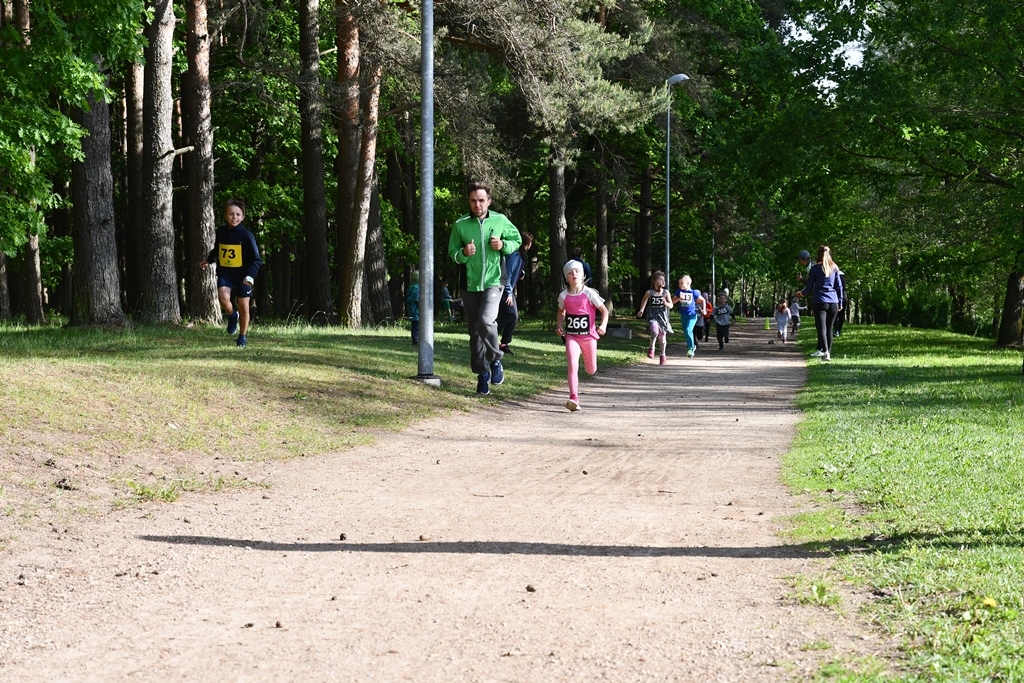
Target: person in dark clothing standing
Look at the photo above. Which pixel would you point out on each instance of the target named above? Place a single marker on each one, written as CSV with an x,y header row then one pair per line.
x,y
845,306
238,262
577,254
508,311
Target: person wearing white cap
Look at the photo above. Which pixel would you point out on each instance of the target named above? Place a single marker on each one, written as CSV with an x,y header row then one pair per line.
x,y
575,322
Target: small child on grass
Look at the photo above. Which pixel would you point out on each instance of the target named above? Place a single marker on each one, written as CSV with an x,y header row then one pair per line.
x,y
574,321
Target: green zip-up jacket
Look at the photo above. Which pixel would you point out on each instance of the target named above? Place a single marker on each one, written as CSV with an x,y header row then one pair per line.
x,y
483,269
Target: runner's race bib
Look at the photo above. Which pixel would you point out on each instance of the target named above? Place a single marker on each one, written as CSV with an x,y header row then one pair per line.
x,y
230,256
577,324
686,298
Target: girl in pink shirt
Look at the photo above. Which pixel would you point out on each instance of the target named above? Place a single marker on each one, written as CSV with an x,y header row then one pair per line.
x,y
575,322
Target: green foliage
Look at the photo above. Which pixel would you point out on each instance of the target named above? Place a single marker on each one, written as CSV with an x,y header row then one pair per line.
x,y
41,80
922,430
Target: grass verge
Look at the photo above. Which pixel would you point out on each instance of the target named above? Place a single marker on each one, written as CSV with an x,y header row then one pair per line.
x,y
914,440
94,418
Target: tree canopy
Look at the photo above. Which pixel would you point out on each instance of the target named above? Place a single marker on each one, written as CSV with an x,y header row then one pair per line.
x,y
890,132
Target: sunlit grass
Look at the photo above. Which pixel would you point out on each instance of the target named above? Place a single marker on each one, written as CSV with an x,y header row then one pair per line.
x,y
105,399
915,439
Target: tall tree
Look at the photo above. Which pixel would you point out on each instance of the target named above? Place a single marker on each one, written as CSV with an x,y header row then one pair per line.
x,y
642,237
601,225
32,269
557,223
200,283
135,79
347,163
5,292
314,206
354,249
96,288
376,297
159,277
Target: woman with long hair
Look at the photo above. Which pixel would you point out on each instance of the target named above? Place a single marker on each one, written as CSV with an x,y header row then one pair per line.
x,y
825,288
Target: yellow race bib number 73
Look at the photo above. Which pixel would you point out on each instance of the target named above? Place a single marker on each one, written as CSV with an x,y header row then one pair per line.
x,y
230,256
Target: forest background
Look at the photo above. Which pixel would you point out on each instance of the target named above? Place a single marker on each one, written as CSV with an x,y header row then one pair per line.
x,y
890,131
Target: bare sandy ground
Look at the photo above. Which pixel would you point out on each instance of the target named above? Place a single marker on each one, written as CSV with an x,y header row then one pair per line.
x,y
634,540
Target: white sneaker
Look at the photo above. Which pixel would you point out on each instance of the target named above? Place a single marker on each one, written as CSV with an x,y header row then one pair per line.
x,y
826,357
572,405
817,354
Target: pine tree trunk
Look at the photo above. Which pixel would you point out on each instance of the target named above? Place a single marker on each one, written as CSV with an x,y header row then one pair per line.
x,y
642,240
601,228
5,290
354,252
557,223
96,287
132,257
1011,327
347,114
34,314
376,297
314,207
159,278
33,275
200,284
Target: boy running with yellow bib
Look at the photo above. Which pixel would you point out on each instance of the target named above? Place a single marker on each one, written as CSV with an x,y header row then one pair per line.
x,y
238,261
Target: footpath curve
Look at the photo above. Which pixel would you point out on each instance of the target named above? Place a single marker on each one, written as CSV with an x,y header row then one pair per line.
x,y
633,540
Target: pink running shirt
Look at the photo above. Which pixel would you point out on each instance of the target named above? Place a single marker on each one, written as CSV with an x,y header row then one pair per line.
x,y
580,310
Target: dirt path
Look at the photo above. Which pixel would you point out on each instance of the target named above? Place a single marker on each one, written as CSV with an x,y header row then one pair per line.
x,y
631,541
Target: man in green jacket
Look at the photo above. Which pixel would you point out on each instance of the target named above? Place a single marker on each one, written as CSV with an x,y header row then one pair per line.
x,y
480,240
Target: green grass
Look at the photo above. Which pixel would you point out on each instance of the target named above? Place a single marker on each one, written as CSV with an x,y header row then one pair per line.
x,y
914,440
93,404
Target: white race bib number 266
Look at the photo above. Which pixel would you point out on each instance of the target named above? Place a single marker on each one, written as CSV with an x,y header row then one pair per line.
x,y
577,324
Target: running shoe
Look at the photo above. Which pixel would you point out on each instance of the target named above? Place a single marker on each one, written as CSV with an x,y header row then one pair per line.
x,y
483,384
826,357
689,353
497,373
661,361
650,352
505,349
817,354
233,323
572,405
240,341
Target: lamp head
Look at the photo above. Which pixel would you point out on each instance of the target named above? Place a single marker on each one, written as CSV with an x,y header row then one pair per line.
x,y
672,80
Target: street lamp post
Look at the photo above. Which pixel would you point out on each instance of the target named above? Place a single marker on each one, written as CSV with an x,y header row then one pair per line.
x,y
714,287
678,78
425,363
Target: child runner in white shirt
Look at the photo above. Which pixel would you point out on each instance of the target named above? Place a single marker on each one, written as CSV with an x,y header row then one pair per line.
x,y
794,310
575,320
782,318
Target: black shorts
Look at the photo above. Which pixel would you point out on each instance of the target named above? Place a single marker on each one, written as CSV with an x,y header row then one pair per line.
x,y
238,287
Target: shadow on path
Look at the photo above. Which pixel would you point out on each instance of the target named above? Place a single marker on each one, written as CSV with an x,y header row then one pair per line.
x,y
501,548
